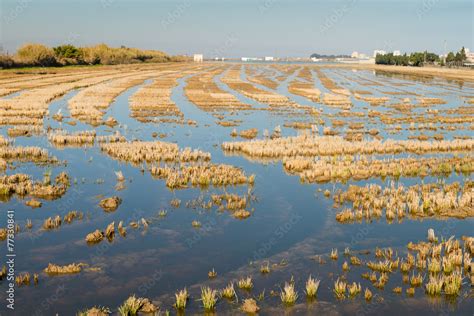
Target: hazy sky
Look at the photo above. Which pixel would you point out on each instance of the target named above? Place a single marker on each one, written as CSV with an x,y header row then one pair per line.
x,y
242,27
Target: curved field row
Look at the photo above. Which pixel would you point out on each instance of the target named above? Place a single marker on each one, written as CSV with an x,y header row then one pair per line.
x,y
233,80
154,100
89,105
339,96
31,106
303,85
204,92
261,79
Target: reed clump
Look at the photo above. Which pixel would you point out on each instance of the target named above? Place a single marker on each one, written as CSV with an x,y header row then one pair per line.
x,y
368,294
63,138
340,289
416,280
27,154
241,214
25,131
288,294
66,269
72,215
33,203
250,306
181,299
212,274
110,231
245,283
175,203
95,237
229,291
208,298
22,185
354,289
133,305
452,284
23,279
265,268
3,234
434,286
312,286
95,311
110,204
52,223
249,133
122,230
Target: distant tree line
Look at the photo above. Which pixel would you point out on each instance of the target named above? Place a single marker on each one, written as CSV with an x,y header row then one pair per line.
x,y
418,59
31,55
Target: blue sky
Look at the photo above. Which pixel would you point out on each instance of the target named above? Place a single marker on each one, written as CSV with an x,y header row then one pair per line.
x,y
235,28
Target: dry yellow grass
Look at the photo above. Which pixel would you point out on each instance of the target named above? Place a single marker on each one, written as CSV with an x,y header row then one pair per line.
x,y
309,146
417,201
181,167
66,269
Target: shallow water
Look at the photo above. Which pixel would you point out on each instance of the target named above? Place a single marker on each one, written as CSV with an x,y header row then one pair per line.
x,y
290,221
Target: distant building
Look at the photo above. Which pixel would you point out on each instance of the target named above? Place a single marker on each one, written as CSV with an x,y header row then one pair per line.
x,y
250,59
469,55
198,58
379,52
357,55
268,58
396,53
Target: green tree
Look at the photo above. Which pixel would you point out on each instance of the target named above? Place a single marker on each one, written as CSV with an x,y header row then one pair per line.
x,y
431,57
417,59
461,55
67,51
450,58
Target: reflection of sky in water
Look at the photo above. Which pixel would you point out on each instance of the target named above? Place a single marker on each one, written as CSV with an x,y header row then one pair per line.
x,y
290,220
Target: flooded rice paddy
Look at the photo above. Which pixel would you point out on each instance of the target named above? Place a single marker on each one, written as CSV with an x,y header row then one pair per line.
x,y
149,180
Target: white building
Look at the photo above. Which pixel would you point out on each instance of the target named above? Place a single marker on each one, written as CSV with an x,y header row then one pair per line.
x,y
251,59
396,53
379,52
268,58
355,55
469,55
198,58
